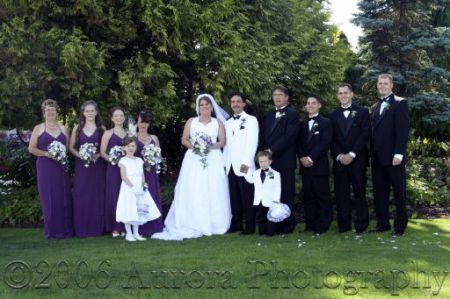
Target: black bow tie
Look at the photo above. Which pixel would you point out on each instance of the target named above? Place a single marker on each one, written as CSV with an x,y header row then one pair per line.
x,y
263,174
312,118
237,116
346,109
386,99
280,110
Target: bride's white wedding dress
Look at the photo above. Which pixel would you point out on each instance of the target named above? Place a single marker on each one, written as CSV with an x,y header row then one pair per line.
x,y
201,205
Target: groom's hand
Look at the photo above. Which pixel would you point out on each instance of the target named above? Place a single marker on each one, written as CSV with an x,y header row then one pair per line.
x,y
244,168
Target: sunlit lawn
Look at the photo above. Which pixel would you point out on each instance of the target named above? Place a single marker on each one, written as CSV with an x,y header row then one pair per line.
x,y
231,266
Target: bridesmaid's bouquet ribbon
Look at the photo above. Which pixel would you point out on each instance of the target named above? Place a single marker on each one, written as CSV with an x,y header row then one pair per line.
x,y
115,153
153,159
57,152
202,143
87,153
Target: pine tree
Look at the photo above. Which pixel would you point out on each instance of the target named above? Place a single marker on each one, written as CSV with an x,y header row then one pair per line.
x,y
411,40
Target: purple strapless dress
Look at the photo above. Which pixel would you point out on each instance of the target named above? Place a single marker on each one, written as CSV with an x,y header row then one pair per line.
x,y
89,192
54,191
152,180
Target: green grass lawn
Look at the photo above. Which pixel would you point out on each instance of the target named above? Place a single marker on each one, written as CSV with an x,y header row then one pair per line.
x,y
231,266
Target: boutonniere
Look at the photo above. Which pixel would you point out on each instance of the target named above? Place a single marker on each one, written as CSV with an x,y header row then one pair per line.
x,y
386,108
270,174
280,115
353,113
242,124
315,126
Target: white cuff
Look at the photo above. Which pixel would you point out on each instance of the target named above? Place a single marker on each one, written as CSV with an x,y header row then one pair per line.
x,y
352,154
338,157
310,160
398,156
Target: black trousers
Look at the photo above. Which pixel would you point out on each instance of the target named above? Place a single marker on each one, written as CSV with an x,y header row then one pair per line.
x,y
346,179
287,197
385,177
265,227
317,203
241,199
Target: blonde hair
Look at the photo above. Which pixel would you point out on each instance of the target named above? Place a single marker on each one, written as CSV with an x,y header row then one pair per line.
x,y
386,76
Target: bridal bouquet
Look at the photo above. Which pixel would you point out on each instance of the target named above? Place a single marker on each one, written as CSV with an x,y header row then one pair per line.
x,y
202,143
87,153
57,152
153,160
115,153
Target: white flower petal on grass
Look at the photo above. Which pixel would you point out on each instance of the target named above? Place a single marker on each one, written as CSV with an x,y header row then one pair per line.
x,y
394,247
436,234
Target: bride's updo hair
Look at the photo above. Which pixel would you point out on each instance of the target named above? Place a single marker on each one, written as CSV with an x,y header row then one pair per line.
x,y
207,99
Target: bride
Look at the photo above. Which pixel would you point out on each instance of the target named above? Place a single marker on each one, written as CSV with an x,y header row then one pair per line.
x,y
201,205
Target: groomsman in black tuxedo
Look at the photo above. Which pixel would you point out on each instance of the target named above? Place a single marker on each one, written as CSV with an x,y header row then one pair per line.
x,y
280,130
242,132
314,141
349,148
390,128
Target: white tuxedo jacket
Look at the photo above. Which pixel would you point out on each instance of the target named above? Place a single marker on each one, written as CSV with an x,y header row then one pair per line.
x,y
267,192
241,143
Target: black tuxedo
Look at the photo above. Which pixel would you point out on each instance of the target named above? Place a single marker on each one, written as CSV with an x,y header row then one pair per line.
x,y
389,137
351,134
315,144
279,135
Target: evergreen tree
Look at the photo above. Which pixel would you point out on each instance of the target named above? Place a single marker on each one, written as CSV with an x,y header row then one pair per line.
x,y
411,40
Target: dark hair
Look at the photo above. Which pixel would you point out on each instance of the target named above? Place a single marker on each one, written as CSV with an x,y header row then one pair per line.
x,y
239,94
318,99
111,112
348,85
128,139
264,154
82,121
282,89
207,99
146,117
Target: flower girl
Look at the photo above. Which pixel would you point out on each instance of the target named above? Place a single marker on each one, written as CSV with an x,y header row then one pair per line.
x,y
135,205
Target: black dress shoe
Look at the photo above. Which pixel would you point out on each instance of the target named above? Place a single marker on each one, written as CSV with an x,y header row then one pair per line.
x,y
233,230
359,232
344,230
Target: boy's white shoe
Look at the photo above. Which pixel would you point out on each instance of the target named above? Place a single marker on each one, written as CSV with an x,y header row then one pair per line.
x,y
139,237
129,237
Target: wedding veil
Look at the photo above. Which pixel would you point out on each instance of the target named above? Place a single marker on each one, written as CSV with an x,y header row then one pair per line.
x,y
220,113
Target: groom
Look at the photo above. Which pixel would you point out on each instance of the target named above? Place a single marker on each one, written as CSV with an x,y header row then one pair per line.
x,y
239,158
279,137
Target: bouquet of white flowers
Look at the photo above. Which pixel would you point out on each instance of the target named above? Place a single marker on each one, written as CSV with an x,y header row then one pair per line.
x,y
202,143
115,153
153,160
57,152
87,153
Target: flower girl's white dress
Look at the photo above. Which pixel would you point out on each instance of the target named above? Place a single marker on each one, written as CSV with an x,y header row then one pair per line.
x,y
134,205
201,206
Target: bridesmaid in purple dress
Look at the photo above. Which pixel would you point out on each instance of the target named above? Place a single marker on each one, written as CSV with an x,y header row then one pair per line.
x,y
110,138
52,178
89,185
144,128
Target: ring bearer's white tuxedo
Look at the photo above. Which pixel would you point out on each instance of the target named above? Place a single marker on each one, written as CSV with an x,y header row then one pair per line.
x,y
241,143
266,192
